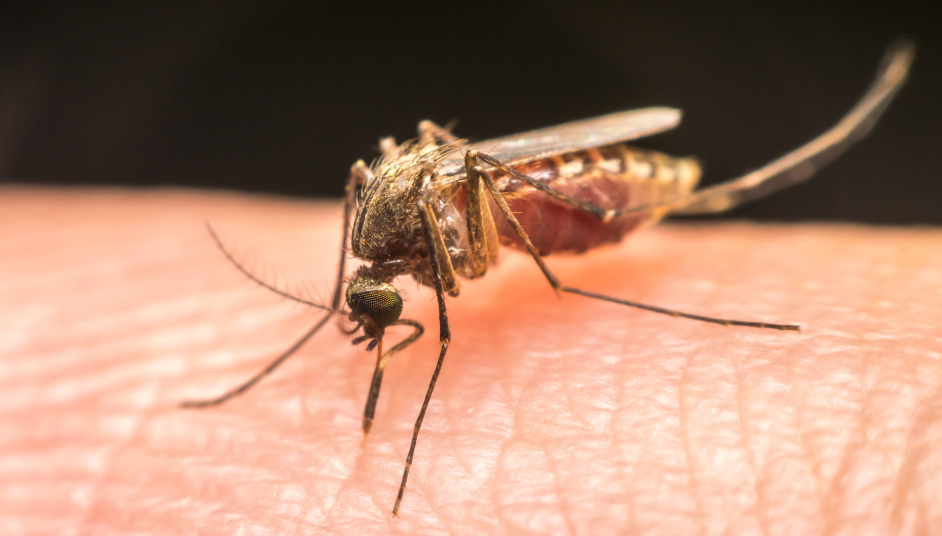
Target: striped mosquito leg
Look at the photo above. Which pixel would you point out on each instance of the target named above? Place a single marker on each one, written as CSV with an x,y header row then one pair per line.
x,y
481,231
428,222
431,131
473,168
679,314
359,175
381,360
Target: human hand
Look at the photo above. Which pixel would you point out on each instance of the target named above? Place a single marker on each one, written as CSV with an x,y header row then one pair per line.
x,y
553,414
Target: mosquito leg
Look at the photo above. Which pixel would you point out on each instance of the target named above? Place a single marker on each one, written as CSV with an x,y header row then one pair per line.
x,y
671,312
359,175
595,210
381,361
428,222
801,163
476,172
264,372
388,147
482,233
473,169
431,131
682,167
794,167
436,243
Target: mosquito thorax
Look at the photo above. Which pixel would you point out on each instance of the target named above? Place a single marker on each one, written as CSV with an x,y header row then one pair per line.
x,y
373,302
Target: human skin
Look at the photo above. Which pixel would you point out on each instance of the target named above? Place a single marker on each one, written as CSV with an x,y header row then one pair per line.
x,y
552,415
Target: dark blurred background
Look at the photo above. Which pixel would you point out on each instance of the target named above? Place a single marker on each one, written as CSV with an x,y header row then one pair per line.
x,y
282,97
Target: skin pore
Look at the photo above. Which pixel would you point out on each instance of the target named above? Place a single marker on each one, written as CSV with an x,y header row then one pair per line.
x,y
552,414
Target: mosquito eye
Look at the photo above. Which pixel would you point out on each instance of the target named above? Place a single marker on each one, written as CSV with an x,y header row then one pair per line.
x,y
382,306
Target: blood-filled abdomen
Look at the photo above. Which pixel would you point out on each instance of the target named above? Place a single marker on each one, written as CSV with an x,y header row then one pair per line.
x,y
613,178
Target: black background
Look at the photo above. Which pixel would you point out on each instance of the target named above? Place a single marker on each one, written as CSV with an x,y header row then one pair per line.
x,y
282,97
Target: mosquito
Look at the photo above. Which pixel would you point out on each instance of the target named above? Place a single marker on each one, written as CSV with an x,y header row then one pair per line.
x,y
438,208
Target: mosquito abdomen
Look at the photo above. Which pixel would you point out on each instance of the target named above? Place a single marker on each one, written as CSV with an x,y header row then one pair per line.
x,y
614,177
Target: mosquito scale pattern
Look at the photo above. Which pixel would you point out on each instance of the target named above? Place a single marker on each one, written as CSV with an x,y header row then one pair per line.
x,y
613,178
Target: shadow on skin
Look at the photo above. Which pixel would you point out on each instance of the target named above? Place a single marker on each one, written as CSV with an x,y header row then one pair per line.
x,y
552,414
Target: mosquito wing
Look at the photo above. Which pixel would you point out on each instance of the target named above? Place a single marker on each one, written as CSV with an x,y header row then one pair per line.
x,y
574,136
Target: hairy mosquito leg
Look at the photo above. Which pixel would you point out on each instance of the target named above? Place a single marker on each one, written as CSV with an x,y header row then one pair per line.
x,y
437,249
264,372
472,168
482,233
671,312
381,360
281,359
801,163
429,130
359,174
787,170
597,211
428,222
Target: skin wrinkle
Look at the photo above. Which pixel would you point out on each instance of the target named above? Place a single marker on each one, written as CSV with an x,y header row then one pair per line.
x,y
435,509
503,450
451,386
871,390
350,484
833,488
569,402
759,511
452,441
931,406
800,418
307,503
801,442
616,453
560,495
747,454
598,403
771,453
902,456
514,405
686,442
902,463
354,388
109,466
529,386
818,462
907,468
852,449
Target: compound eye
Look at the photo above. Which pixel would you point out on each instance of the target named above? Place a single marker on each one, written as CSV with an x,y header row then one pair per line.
x,y
383,306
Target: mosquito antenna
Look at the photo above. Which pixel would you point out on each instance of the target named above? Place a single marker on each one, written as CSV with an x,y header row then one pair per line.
x,y
250,275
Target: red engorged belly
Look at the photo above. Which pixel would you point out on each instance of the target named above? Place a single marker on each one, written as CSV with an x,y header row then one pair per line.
x,y
555,227
612,178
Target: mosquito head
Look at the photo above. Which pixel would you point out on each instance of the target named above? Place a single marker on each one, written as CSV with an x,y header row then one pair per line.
x,y
373,302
